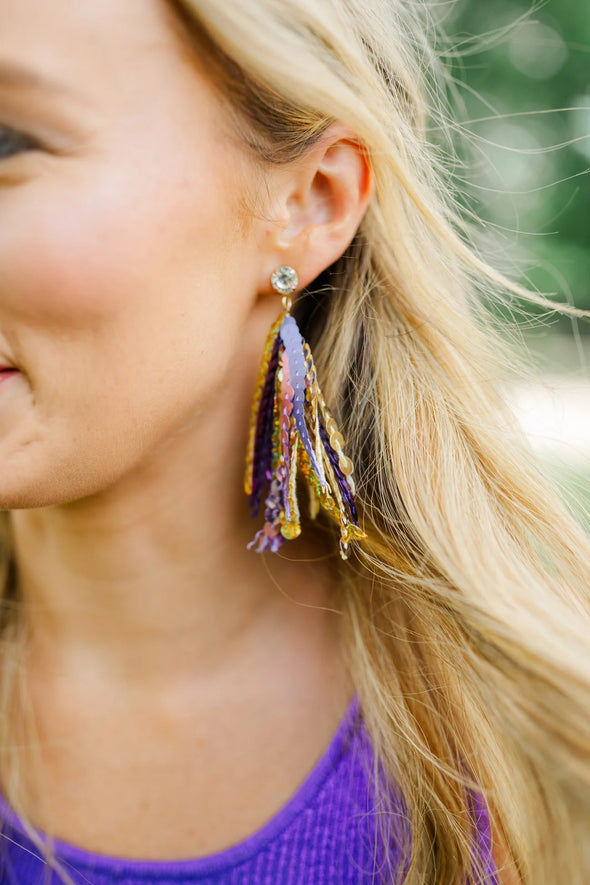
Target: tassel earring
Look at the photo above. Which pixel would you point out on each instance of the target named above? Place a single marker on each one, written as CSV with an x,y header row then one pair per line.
x,y
291,431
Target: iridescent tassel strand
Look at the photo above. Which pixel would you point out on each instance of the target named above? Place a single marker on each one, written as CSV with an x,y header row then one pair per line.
x,y
293,433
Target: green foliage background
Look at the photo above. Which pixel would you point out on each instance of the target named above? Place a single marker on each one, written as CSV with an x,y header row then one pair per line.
x,y
522,75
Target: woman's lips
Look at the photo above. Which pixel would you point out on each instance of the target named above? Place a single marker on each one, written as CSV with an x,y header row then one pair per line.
x,y
7,372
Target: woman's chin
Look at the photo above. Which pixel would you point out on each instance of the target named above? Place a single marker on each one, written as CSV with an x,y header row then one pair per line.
x,y
44,489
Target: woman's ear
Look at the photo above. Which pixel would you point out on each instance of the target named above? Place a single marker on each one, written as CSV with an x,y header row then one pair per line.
x,y
318,204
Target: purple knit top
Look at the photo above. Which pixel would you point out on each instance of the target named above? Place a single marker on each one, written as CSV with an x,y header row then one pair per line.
x,y
323,835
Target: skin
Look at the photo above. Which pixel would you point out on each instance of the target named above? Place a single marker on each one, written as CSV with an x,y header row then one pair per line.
x,y
168,667
135,301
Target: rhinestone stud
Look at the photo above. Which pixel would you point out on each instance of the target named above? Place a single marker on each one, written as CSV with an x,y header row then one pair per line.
x,y
284,280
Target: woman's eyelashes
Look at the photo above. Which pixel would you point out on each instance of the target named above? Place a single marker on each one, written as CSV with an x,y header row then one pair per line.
x,y
13,142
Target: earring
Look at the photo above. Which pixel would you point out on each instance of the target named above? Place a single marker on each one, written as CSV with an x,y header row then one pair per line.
x,y
292,430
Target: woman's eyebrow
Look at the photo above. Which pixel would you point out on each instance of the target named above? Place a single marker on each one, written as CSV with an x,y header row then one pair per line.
x,y
17,76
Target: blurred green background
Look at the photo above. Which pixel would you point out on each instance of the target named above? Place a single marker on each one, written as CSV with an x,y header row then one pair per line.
x,y
524,72
521,84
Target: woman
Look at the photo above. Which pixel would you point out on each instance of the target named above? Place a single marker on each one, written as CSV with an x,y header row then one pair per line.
x,y
177,706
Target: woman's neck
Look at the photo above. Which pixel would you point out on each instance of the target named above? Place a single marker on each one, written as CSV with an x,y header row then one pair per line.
x,y
152,579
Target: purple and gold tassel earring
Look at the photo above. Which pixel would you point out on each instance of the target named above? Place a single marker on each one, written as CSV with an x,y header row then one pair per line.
x,y
292,430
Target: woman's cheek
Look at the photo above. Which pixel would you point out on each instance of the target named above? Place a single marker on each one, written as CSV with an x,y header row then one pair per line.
x,y
65,257
118,279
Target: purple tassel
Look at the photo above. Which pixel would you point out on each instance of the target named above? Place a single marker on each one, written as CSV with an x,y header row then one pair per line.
x,y
294,346
289,399
341,478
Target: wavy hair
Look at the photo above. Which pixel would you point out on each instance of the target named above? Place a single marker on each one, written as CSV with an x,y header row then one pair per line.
x,y
466,611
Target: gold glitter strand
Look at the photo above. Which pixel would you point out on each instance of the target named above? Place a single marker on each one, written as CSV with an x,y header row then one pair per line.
x,y
292,528
262,371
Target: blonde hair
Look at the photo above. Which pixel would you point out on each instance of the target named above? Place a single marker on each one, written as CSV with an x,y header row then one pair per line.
x,y
466,613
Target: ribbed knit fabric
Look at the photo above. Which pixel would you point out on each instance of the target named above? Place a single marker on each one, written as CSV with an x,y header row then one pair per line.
x,y
324,835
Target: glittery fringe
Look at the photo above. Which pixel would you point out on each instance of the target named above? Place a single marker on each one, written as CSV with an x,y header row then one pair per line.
x,y
291,433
